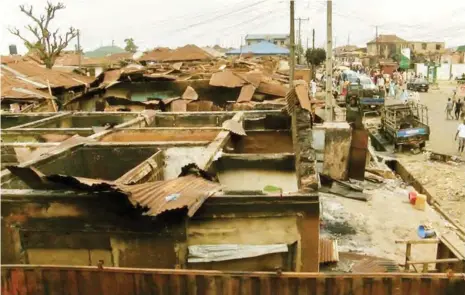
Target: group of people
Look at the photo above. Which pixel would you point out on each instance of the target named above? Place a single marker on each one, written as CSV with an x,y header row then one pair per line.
x,y
455,108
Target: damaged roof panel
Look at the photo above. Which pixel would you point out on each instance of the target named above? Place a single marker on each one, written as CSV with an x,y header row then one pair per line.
x,y
226,79
184,192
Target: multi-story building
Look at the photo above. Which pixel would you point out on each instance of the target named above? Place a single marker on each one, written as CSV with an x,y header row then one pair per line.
x,y
282,40
387,45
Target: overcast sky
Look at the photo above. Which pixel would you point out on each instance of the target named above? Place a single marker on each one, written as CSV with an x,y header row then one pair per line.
x,y
174,23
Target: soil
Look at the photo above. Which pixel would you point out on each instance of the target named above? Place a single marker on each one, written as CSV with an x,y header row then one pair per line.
x,y
372,227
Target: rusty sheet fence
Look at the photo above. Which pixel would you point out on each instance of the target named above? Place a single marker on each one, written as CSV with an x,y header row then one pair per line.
x,y
30,279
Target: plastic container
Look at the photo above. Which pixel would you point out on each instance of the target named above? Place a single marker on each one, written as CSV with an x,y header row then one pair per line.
x,y
425,232
420,202
412,196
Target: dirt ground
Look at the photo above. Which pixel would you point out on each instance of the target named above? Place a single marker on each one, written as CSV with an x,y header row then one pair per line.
x,y
446,181
371,228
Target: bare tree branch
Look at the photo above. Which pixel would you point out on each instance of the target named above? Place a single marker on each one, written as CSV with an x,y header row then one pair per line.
x,y
49,45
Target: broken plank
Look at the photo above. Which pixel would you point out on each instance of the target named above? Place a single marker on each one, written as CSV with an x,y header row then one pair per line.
x,y
217,144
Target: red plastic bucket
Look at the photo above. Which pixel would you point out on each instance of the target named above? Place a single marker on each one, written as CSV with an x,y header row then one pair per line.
x,y
412,197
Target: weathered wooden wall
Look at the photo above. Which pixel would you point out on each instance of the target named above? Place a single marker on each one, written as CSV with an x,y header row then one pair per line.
x,y
30,280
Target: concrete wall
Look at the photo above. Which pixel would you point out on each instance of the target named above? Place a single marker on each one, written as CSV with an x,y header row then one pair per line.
x,y
84,231
427,47
443,72
259,220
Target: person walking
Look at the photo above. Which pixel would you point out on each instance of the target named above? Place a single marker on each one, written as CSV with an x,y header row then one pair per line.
x,y
313,88
458,109
449,108
461,136
381,84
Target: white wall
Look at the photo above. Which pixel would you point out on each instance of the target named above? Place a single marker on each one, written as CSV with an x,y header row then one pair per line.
x,y
443,71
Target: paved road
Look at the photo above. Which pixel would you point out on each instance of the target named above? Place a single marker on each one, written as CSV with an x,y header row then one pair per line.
x,y
442,130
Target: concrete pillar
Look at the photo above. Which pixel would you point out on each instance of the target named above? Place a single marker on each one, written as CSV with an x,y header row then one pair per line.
x,y
338,137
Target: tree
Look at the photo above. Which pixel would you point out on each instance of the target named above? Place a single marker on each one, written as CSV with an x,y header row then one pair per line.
x,y
130,46
315,57
48,45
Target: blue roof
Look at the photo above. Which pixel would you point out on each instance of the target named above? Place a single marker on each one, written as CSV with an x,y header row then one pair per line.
x,y
262,48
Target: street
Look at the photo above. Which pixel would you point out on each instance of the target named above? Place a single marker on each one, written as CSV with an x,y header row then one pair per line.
x,y
442,130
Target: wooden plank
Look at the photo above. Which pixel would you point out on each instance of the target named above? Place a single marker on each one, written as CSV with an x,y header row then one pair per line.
x,y
425,241
191,285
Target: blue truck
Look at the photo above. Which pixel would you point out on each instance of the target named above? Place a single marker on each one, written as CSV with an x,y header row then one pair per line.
x,y
405,125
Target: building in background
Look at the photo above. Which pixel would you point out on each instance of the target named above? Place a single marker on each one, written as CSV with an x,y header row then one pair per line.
x,y
262,48
282,40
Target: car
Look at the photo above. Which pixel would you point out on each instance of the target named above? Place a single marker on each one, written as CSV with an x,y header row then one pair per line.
x,y
418,84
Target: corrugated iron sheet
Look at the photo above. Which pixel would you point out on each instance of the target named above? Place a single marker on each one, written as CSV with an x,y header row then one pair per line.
x,y
328,251
374,264
40,77
184,192
29,279
226,79
246,94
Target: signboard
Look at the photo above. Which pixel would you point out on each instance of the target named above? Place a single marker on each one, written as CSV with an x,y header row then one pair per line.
x,y
405,58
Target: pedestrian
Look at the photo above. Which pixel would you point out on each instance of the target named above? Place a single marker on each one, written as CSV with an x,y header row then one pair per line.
x,y
313,88
392,89
449,108
461,136
458,109
381,85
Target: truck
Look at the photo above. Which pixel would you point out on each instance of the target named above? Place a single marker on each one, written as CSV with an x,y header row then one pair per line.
x,y
405,125
364,95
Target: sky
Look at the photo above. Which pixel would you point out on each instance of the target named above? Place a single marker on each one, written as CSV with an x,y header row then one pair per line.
x,y
153,23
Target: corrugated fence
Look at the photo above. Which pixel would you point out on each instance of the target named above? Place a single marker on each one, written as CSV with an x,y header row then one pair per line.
x,y
29,279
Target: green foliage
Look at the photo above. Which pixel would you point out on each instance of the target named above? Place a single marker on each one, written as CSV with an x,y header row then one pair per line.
x,y
315,57
130,46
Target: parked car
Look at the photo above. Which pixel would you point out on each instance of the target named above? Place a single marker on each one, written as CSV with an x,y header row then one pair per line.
x,y
418,84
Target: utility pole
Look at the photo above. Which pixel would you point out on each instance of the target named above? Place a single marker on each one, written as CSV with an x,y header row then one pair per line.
x,y
348,39
313,38
295,143
329,62
300,36
79,48
376,41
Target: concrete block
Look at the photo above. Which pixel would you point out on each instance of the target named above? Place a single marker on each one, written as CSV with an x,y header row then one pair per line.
x,y
338,136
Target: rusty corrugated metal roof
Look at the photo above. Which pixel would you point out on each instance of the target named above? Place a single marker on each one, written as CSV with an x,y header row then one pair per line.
x,y
328,251
187,192
374,264
40,77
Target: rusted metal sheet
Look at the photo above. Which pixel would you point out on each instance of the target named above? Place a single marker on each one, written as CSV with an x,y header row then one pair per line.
x,y
301,90
272,89
184,192
226,79
358,154
179,105
246,94
29,279
374,264
190,94
328,251
234,127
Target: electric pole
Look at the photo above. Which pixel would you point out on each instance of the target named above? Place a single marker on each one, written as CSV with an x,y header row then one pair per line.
x,y
300,36
329,62
313,38
79,48
348,39
295,143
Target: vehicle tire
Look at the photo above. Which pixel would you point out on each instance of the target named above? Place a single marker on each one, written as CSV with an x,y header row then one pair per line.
x,y
422,145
